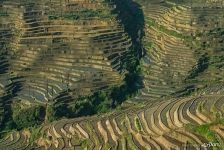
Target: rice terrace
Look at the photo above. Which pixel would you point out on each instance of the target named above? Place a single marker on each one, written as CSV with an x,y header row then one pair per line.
x,y
111,74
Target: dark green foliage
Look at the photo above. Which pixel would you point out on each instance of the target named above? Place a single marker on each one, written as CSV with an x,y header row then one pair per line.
x,y
9,125
51,113
71,16
4,14
201,66
53,17
217,31
127,90
217,61
59,110
103,101
79,108
132,17
118,94
99,102
28,117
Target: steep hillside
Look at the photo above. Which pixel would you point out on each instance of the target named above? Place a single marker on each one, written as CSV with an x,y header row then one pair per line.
x,y
54,53
183,48
149,72
71,49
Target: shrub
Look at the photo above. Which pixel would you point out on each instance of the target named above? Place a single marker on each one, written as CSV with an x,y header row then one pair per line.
x,y
35,134
99,102
82,107
51,113
138,124
217,61
202,65
53,17
28,117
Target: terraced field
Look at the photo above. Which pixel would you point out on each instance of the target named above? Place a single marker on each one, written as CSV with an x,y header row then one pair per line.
x,y
54,52
155,126
59,51
178,37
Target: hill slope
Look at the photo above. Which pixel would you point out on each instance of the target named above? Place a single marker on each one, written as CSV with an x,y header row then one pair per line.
x,y
67,53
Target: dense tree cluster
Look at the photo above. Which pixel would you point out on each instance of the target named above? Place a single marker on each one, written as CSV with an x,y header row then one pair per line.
x,y
27,117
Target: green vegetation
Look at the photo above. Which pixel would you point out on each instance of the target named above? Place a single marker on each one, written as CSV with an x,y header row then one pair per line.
x,y
131,85
138,124
107,100
148,45
53,17
162,28
201,66
28,117
80,57
99,102
210,58
4,14
85,143
131,16
217,61
35,134
23,117
207,132
51,113
217,31
83,106
83,14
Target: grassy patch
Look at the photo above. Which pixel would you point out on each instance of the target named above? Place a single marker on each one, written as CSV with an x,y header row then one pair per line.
x,y
35,134
25,117
217,61
138,124
169,32
85,143
206,132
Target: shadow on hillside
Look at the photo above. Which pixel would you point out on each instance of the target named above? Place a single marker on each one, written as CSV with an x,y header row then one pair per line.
x,y
7,99
4,67
131,16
